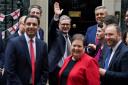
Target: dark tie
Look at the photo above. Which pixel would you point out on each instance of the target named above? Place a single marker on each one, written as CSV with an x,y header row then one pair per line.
x,y
108,58
32,61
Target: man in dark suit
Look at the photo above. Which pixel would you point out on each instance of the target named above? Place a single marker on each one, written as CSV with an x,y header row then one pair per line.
x,y
36,10
100,13
20,30
26,60
2,72
57,43
115,71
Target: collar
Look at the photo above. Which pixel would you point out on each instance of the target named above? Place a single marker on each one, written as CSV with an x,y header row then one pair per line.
x,y
28,39
116,46
19,33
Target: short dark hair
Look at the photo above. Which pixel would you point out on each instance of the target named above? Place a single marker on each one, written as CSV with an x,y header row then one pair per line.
x,y
110,19
116,26
100,25
31,16
78,37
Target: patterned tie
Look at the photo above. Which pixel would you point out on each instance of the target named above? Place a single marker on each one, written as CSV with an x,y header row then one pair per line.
x,y
32,61
108,58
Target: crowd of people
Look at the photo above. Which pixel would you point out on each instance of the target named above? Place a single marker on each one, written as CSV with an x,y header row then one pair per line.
x,y
99,59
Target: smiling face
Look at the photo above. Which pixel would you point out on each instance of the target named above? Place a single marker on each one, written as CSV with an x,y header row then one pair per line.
x,y
112,36
31,26
100,14
77,49
64,24
35,12
100,33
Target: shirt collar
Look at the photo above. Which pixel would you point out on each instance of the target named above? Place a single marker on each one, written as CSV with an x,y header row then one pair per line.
x,y
28,39
116,46
19,33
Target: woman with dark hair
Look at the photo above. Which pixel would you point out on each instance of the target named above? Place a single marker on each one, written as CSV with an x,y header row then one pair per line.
x,y
79,68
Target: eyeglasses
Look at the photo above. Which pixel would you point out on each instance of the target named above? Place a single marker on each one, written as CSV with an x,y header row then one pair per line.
x,y
65,24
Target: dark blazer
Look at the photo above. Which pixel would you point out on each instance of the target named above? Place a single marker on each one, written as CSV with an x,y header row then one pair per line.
x,y
117,73
18,63
91,34
11,36
1,52
2,57
56,43
41,33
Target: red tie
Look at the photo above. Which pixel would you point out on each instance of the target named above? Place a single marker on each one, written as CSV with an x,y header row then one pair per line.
x,y
32,61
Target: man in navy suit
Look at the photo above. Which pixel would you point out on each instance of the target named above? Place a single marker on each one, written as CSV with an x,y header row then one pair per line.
x,y
115,71
22,66
100,13
57,43
36,10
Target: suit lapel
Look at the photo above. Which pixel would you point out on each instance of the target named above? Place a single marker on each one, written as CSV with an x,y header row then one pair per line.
x,y
62,43
38,48
25,48
115,56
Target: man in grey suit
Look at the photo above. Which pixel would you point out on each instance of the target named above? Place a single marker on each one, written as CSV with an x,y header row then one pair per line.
x,y
115,71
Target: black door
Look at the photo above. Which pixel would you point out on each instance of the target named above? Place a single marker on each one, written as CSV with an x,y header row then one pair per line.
x,y
81,12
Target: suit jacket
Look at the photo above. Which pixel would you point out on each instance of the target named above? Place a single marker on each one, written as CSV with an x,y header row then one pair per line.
x,y
84,72
1,52
91,34
56,43
18,62
11,36
41,33
117,73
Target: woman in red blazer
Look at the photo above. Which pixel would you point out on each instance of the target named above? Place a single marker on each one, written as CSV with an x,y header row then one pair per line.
x,y
79,68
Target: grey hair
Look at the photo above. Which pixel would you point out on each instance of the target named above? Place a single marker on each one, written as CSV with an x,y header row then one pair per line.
x,y
64,17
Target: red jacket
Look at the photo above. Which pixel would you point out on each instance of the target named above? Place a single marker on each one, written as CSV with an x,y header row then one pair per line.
x,y
84,72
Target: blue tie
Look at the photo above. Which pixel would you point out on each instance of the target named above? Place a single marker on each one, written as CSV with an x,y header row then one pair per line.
x,y
108,58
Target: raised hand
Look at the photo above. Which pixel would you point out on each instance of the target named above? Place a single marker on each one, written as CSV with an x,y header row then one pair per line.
x,y
57,9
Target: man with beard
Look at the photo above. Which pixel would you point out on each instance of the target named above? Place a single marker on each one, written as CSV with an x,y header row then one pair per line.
x,y
115,71
59,43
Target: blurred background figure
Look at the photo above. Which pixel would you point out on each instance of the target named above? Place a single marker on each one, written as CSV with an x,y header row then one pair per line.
x,y
125,38
36,10
126,19
20,30
100,13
